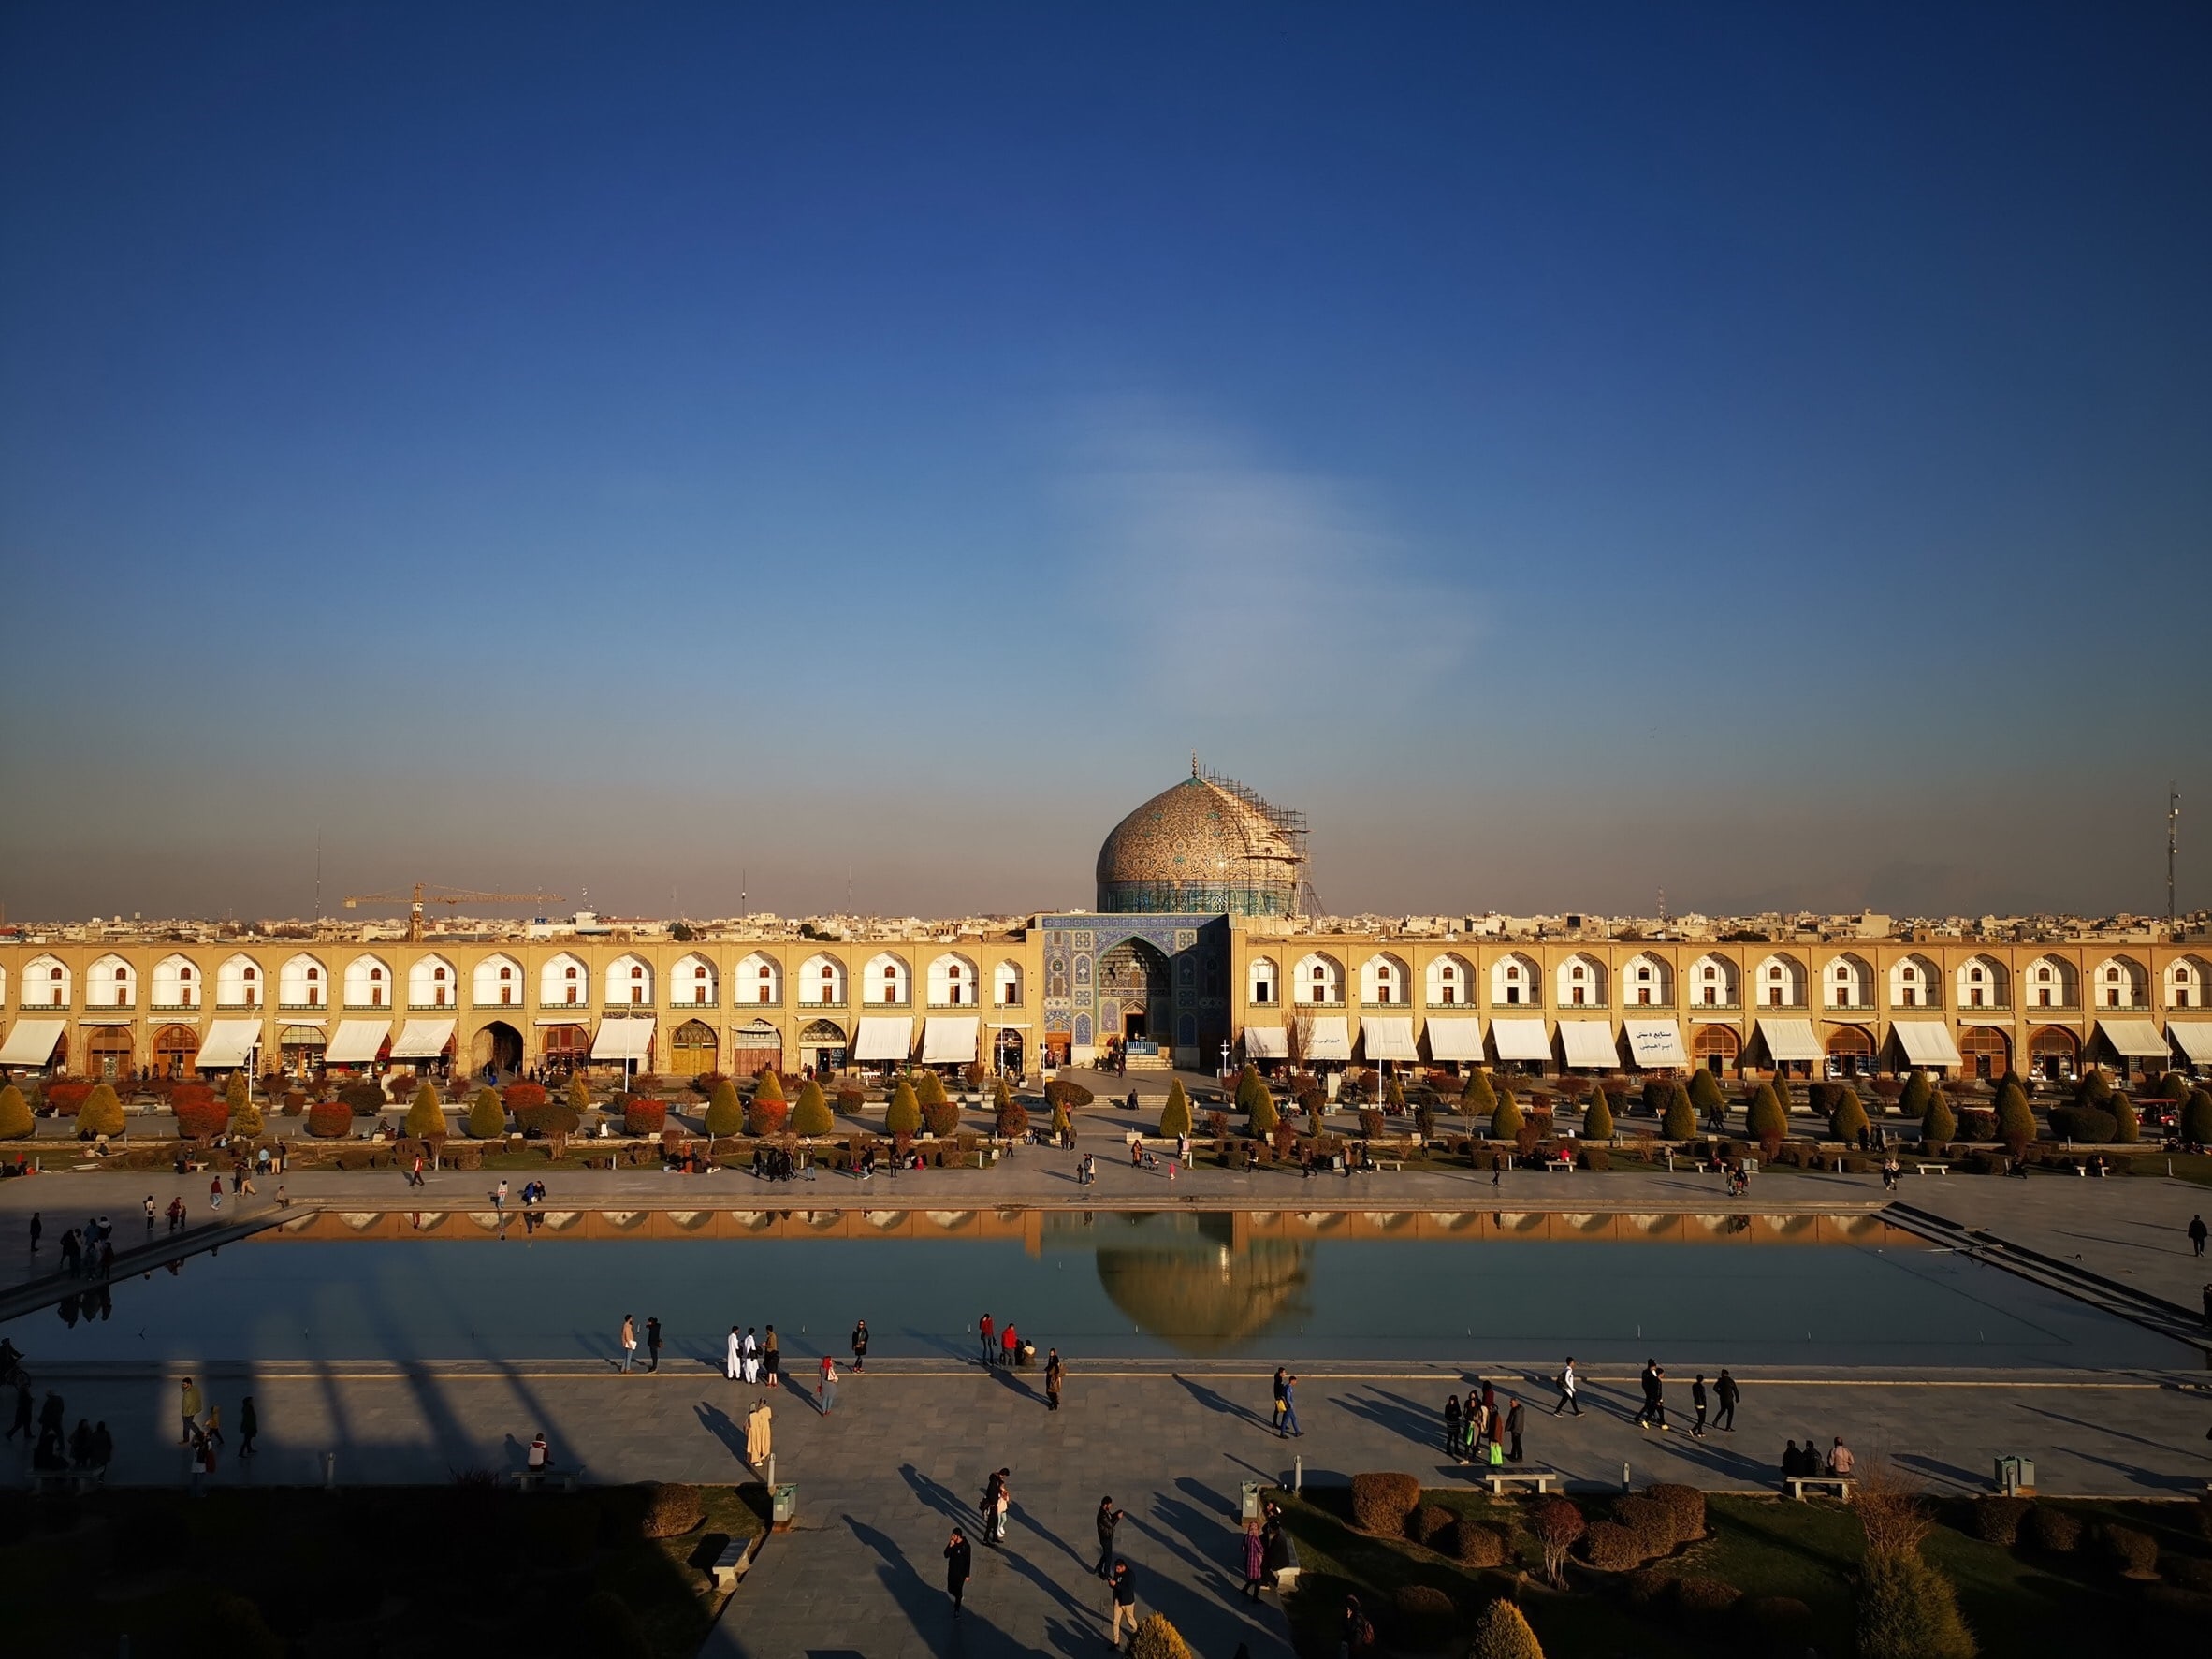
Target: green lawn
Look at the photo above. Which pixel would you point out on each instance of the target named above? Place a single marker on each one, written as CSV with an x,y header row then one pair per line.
x,y
2016,1602
246,1573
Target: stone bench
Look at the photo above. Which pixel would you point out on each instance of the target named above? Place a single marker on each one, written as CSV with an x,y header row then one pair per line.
x,y
1285,1580
537,1479
1932,1169
1388,1163
1502,1481
732,1565
1839,1484
66,1481
1553,1165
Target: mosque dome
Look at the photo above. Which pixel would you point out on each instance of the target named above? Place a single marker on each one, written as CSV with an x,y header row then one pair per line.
x,y
1203,846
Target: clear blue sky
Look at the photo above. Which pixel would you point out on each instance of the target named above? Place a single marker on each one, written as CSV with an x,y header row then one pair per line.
x,y
1761,451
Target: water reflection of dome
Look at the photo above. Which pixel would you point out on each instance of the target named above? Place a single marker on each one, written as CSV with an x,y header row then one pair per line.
x,y
1201,1295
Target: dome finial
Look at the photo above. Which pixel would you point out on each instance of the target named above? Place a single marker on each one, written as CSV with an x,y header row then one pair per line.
x,y
1194,771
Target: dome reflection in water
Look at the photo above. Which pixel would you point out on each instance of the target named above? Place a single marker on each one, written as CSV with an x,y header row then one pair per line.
x,y
1182,1280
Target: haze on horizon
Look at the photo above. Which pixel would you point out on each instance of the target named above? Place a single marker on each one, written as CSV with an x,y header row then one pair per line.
x,y
1567,451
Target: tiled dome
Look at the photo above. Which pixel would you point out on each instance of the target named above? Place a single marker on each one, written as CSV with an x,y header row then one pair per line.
x,y
1198,849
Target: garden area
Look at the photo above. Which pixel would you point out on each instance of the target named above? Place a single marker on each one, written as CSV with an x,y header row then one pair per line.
x,y
613,1572
1672,1572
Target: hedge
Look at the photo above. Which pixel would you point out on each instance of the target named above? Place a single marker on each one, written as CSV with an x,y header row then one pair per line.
x,y
199,1118
1060,1092
329,1120
1383,1501
941,1115
769,1113
642,1115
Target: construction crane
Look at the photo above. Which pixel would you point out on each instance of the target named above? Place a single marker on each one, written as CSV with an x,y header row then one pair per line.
x,y
443,895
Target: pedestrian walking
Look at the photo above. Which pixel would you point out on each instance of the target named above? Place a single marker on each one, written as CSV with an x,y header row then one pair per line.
x,y
150,1215
825,1391
1654,1414
1569,1385
215,1194
1697,1402
654,1341
249,1427
1054,1375
1289,1424
37,1231
860,1345
1255,1549
959,1563
1451,1425
1513,1427
628,1341
1108,1517
214,1431
2196,1234
1125,1601
1278,1411
990,1353
188,1406
992,1507
1727,1393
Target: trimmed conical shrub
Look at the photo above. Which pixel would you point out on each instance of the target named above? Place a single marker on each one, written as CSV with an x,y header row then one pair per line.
x,y
487,1115
1265,1118
1681,1121
1505,1120
2196,1117
100,1115
1503,1632
424,1118
768,1114
1704,1090
1907,1609
16,1121
1848,1122
1156,1638
580,1094
1477,1100
903,1117
767,1085
726,1111
1597,1121
1938,1124
1912,1102
811,1115
1768,1122
245,1118
2127,1127
930,1089
237,1093
2016,1119
1174,1117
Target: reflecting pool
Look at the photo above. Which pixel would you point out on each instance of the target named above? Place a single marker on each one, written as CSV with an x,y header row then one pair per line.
x,y
1468,1289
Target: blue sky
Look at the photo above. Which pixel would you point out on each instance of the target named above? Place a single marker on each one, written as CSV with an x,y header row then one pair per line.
x,y
1754,451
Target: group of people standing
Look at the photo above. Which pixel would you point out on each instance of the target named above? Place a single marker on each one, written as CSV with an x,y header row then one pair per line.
x,y
751,1360
1482,1431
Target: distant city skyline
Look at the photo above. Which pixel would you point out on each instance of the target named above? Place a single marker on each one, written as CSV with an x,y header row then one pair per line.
x,y
1566,454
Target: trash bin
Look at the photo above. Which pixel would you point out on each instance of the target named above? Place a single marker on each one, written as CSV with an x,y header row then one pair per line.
x,y
1250,1509
783,1506
2015,1475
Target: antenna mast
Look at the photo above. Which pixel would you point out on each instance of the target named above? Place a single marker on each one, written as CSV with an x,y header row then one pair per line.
x,y
2173,839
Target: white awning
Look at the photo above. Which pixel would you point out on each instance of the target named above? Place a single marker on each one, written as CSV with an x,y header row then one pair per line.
x,y
1457,1038
357,1042
1589,1045
949,1039
1655,1043
1520,1040
2138,1040
2195,1037
621,1037
885,1037
1389,1038
30,1042
1266,1042
1331,1039
1793,1039
227,1043
425,1040
1928,1042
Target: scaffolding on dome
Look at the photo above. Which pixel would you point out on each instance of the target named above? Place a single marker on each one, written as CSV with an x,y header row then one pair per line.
x,y
1288,822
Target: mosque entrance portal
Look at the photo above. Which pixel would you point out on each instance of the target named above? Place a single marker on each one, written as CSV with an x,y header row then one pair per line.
x,y
1136,993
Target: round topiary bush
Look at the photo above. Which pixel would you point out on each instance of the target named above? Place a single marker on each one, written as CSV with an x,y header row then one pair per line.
x,y
768,1114
1612,1548
65,1097
552,1119
1685,1504
329,1120
2053,1531
200,1112
361,1097
2135,1553
1595,1158
1156,1638
940,1116
1651,1522
1475,1545
1061,1092
1429,1522
1421,1616
644,1116
671,1510
1704,1598
1997,1520
1383,1501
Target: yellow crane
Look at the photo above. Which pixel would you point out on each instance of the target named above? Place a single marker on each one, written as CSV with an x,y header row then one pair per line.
x,y
442,895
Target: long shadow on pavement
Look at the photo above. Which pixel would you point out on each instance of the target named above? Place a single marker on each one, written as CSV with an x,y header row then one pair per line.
x,y
1214,1401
